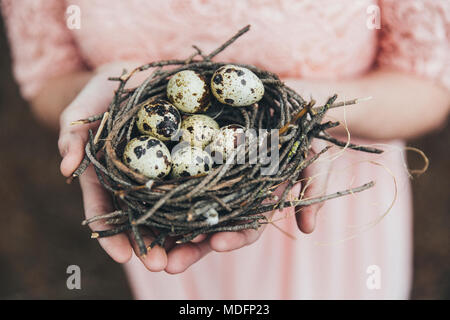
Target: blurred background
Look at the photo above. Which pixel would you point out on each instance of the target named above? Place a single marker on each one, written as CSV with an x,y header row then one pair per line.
x,y
40,215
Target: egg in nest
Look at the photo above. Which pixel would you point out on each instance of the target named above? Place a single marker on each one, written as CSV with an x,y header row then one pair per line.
x,y
148,156
190,161
199,130
226,141
236,86
159,119
189,92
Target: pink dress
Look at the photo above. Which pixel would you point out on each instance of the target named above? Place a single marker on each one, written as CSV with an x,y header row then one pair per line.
x,y
348,256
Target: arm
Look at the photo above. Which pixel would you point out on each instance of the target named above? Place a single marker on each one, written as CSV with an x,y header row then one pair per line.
x,y
409,106
402,106
56,95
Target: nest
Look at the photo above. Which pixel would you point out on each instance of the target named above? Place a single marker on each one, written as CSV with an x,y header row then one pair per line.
x,y
232,192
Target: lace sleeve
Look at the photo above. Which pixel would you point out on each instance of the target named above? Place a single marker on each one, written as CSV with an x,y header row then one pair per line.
x,y
415,37
41,45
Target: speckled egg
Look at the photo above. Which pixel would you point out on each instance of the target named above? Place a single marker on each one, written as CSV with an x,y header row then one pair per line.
x,y
149,156
159,119
189,92
227,139
236,86
190,161
199,130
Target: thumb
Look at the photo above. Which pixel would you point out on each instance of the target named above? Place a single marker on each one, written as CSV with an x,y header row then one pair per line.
x,y
92,100
306,216
316,183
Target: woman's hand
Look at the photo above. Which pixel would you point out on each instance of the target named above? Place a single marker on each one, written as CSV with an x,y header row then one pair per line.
x,y
94,99
315,183
183,256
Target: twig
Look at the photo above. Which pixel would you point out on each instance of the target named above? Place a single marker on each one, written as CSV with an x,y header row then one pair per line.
x,y
349,145
229,42
113,214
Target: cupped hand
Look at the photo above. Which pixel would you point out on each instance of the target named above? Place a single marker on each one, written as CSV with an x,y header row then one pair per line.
x,y
94,99
183,256
314,182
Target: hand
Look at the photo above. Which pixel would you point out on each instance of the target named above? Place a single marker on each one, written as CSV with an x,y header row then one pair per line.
x,y
314,184
94,99
183,256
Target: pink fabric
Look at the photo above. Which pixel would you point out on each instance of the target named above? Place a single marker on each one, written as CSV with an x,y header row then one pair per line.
x,y
311,39
415,36
317,266
41,45
308,39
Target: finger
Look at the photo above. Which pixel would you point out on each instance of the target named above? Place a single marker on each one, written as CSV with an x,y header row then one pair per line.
x,y
199,238
156,258
307,216
72,150
228,241
73,138
319,173
96,201
170,243
183,256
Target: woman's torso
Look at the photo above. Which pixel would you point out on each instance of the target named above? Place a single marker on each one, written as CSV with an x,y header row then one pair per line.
x,y
311,39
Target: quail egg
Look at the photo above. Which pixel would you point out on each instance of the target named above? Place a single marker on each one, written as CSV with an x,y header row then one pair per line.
x,y
236,86
190,161
159,119
199,130
148,156
189,92
227,139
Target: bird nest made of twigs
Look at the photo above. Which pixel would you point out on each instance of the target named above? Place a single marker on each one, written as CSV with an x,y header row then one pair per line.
x,y
229,195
